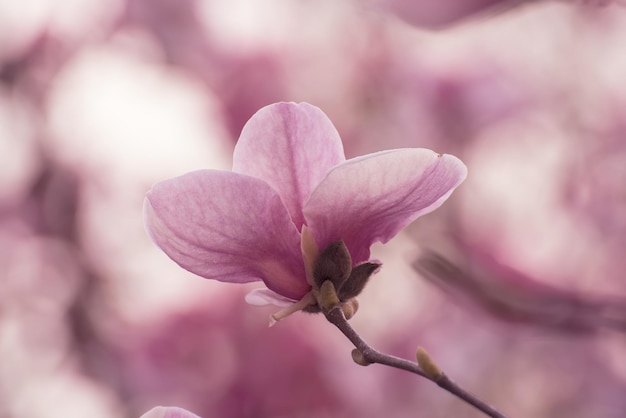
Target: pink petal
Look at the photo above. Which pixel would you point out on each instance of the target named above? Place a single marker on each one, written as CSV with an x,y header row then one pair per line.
x,y
228,227
371,198
291,147
263,297
168,412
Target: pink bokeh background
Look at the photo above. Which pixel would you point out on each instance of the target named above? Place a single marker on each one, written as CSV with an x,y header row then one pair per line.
x,y
526,305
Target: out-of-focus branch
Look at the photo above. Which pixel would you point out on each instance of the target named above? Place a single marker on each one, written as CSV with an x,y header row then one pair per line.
x,y
365,354
511,295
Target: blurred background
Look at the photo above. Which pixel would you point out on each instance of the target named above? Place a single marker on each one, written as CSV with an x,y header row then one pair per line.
x,y
515,286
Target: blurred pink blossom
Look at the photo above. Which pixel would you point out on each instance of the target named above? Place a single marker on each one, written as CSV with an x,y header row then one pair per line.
x,y
428,14
290,183
215,360
168,412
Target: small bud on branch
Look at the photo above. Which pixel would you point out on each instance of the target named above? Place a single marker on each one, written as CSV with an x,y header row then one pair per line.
x,y
359,359
427,364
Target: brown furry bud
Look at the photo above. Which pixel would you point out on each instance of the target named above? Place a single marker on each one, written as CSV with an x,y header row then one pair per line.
x,y
359,276
334,264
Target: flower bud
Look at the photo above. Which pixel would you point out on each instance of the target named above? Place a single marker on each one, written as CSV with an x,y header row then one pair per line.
x,y
349,308
328,298
428,365
334,264
359,276
358,358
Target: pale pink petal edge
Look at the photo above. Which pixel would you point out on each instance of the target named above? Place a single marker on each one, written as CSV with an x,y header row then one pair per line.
x,y
169,412
264,297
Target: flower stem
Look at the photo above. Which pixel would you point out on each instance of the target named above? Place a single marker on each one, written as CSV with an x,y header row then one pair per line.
x,y
335,316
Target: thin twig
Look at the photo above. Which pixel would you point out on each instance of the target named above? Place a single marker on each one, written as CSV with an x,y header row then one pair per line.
x,y
335,316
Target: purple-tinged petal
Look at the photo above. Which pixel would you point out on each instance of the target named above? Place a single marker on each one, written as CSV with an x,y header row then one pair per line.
x,y
228,227
371,198
263,297
291,147
168,412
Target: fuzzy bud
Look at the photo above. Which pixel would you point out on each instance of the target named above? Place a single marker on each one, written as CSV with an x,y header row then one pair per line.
x,y
359,359
428,365
334,264
359,276
349,308
328,298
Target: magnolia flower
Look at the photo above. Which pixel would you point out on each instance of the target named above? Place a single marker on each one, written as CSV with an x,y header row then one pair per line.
x,y
290,193
168,412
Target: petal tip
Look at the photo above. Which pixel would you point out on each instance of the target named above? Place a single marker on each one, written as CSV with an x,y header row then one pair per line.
x,y
168,412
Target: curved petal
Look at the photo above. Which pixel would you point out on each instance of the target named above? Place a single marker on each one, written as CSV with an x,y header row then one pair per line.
x,y
291,147
371,198
228,227
168,412
263,297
